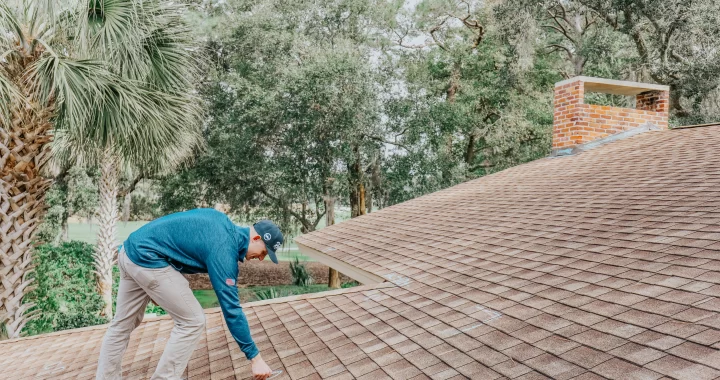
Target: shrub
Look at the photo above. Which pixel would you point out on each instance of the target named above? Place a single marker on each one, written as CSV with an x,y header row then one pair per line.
x,y
300,274
65,293
349,284
271,293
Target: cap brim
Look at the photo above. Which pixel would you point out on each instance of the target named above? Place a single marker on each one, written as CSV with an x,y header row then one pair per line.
x,y
273,256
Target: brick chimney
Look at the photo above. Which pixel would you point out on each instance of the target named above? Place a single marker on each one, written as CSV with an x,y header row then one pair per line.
x,y
577,123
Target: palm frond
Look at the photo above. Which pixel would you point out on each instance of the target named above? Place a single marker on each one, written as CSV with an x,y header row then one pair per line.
x,y
109,30
66,154
9,23
76,87
8,93
145,108
168,133
148,128
170,48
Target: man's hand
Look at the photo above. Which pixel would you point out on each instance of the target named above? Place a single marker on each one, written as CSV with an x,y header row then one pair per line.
x,y
260,370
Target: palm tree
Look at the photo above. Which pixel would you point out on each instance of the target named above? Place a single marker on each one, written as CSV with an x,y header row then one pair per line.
x,y
51,83
148,43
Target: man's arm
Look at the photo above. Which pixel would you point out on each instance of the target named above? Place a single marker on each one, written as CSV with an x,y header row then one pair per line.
x,y
223,273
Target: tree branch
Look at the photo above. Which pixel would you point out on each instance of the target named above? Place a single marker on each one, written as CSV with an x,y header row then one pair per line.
x,y
570,53
402,44
605,15
561,31
380,139
131,187
560,28
319,218
283,205
435,29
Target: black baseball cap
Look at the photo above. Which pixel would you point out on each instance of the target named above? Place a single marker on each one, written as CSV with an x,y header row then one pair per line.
x,y
271,235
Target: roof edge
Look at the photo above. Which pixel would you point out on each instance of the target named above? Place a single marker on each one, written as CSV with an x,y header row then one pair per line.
x,y
301,297
698,125
647,127
361,275
63,332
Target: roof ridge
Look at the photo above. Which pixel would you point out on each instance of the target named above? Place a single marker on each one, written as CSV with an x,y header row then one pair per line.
x,y
697,125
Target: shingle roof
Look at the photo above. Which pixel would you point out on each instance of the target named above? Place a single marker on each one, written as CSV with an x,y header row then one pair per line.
x,y
602,264
610,259
367,332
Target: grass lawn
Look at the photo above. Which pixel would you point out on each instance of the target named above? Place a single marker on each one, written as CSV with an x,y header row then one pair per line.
x,y
87,232
208,299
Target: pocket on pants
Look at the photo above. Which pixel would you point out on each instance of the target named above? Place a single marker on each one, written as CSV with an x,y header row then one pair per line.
x,y
147,278
121,265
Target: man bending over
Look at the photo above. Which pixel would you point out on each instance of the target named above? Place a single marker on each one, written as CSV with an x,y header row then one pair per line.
x,y
151,263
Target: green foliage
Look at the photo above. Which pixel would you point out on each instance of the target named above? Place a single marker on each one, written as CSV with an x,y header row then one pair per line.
x,y
144,203
300,274
349,284
75,192
477,99
154,309
270,293
50,229
309,100
82,191
280,135
144,207
668,42
65,296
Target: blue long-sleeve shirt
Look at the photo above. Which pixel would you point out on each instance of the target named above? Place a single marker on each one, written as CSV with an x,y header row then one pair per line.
x,y
199,241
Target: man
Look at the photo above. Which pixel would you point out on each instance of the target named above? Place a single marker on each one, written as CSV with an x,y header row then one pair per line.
x,y
151,262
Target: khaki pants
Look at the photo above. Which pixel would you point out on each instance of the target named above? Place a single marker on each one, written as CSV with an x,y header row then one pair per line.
x,y
171,291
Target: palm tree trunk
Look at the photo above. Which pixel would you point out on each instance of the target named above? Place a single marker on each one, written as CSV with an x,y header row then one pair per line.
x,y
24,150
21,204
106,253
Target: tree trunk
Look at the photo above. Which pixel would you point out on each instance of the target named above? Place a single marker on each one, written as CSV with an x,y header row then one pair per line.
x,y
361,199
357,187
21,204
333,279
373,194
127,202
447,153
24,150
106,253
65,231
333,275
369,200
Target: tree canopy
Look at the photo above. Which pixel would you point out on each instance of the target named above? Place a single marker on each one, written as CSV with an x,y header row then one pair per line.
x,y
375,102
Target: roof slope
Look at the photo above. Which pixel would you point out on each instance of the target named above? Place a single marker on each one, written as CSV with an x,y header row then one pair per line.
x,y
607,261
603,264
367,332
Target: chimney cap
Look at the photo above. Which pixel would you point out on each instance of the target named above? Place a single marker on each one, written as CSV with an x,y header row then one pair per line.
x,y
615,87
